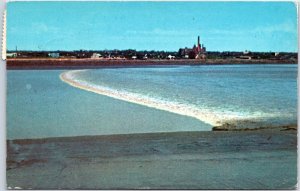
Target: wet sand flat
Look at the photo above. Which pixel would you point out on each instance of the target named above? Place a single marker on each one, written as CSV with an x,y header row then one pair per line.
x,y
264,159
68,63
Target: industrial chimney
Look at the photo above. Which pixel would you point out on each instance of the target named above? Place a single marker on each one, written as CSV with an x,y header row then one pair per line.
x,y
198,45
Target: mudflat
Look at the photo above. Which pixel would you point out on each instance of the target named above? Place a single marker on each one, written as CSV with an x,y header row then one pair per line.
x,y
88,63
261,159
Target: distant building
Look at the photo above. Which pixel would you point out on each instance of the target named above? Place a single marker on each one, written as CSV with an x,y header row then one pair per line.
x,y
11,55
246,52
170,57
197,52
96,55
185,52
246,57
53,55
200,51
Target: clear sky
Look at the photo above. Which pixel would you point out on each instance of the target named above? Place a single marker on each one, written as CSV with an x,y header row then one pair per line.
x,y
222,26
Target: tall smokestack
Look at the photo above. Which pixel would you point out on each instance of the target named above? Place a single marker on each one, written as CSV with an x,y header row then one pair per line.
x,y
199,45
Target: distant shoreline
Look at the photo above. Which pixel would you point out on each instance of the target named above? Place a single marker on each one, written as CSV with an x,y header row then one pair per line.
x,y
38,63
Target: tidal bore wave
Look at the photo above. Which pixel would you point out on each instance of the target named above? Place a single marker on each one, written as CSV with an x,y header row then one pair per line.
x,y
210,117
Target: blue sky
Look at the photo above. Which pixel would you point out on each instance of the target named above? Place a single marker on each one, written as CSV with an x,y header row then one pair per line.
x,y
222,26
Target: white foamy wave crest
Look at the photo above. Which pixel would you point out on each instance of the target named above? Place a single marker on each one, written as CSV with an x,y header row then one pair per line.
x,y
213,118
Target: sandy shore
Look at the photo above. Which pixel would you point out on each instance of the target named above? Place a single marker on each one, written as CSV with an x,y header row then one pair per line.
x,y
265,159
38,63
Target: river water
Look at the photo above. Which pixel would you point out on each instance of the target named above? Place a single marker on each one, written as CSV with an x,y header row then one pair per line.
x,y
153,99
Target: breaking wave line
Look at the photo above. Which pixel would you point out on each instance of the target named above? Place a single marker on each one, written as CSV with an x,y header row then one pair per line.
x,y
204,115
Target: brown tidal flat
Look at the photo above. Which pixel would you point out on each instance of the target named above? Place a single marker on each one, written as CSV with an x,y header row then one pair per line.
x,y
263,159
66,63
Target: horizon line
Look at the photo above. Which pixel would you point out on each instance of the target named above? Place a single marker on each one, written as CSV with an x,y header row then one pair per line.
x,y
145,50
